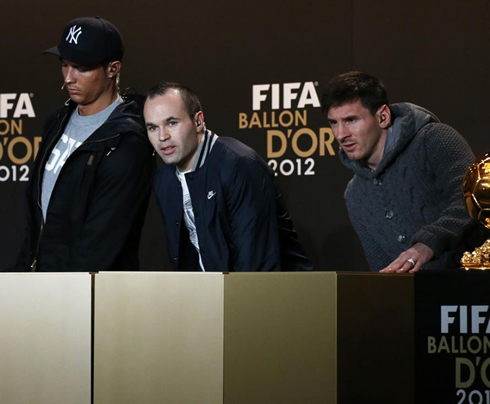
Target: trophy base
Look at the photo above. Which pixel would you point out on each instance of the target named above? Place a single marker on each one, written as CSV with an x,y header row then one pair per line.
x,y
471,268
478,259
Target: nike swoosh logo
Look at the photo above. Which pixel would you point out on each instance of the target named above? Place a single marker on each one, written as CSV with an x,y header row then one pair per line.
x,y
211,194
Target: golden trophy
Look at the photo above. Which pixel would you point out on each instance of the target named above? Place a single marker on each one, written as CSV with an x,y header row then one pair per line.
x,y
476,194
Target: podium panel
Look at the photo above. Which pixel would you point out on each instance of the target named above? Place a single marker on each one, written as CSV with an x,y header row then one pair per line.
x,y
375,338
280,338
452,339
45,338
158,338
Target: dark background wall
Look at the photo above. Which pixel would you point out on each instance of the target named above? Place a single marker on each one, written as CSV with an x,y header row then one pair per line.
x,y
430,53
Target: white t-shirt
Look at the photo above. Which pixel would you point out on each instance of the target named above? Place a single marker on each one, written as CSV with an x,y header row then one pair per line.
x,y
190,221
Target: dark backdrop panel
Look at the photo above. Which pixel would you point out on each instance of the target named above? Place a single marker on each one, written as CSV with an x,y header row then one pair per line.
x,y
432,54
221,50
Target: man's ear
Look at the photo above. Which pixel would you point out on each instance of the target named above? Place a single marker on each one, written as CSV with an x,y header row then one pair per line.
x,y
113,69
384,116
199,121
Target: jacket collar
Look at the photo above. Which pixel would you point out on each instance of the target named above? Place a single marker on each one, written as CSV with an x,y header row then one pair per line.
x,y
205,146
127,117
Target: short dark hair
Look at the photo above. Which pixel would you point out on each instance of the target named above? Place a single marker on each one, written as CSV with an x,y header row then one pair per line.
x,y
354,86
190,99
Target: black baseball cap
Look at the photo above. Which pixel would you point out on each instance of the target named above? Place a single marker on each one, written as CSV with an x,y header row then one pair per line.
x,y
89,41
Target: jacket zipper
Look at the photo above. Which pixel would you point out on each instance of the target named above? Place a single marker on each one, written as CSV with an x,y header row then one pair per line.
x,y
41,165
34,263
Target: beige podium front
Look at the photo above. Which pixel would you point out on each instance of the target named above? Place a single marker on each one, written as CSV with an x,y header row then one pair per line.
x,y
45,338
253,338
158,338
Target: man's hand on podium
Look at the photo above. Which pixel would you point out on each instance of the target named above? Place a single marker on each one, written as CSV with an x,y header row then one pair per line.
x,y
410,260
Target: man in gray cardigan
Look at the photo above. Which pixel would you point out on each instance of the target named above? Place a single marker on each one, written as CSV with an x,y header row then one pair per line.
x,y
404,200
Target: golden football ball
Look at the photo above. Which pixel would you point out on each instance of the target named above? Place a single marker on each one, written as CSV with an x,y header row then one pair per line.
x,y
476,190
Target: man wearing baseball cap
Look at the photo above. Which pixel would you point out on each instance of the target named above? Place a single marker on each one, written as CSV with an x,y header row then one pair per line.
x,y
89,191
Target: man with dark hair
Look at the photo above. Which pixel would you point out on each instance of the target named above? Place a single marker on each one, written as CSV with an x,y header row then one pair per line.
x,y
91,180
221,208
404,200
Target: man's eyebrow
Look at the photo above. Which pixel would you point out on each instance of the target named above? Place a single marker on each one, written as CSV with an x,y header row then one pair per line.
x,y
349,116
168,119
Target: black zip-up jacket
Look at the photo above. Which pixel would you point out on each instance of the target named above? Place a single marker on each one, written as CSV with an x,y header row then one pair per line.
x,y
99,201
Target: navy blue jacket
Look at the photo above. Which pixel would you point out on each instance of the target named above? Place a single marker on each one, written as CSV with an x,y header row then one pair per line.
x,y
241,220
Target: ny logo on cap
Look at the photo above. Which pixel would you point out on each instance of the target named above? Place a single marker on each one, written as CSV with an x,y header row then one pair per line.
x,y
74,34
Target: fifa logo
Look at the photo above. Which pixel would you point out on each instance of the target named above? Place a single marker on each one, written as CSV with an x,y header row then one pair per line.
x,y
19,104
73,34
283,95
